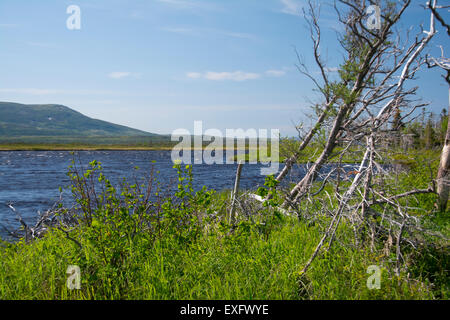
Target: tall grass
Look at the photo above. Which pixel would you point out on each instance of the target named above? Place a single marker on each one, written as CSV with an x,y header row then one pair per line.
x,y
133,243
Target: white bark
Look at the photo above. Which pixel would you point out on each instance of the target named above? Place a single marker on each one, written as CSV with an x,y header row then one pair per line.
x,y
442,180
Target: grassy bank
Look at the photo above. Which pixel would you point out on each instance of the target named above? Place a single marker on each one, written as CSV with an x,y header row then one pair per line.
x,y
244,265
391,155
183,247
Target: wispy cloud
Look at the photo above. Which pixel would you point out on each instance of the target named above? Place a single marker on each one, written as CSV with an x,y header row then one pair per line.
x,y
119,75
180,30
208,31
41,92
292,7
275,73
31,91
235,75
225,108
8,25
222,76
332,69
42,44
178,3
194,75
136,15
189,4
239,35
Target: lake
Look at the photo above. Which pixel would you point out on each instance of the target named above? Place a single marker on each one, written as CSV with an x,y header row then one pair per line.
x,y
30,180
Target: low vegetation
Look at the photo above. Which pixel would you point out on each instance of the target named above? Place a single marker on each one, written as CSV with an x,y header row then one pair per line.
x,y
136,240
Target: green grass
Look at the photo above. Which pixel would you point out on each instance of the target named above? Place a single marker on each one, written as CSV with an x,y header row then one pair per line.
x,y
189,254
391,155
242,266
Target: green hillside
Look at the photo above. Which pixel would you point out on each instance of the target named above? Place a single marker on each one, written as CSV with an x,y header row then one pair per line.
x,y
51,120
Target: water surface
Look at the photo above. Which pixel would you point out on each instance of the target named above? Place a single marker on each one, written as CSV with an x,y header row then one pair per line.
x,y
31,179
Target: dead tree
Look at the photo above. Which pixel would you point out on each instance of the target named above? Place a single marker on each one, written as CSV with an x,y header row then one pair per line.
x,y
375,80
442,180
346,100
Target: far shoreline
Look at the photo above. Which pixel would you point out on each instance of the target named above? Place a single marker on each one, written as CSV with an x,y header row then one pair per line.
x,y
87,147
79,148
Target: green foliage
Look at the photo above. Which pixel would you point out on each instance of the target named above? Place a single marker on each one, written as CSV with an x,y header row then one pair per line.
x,y
428,134
115,223
419,169
241,265
130,245
269,191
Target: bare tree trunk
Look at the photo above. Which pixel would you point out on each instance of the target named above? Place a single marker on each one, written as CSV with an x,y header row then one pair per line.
x,y
443,186
442,181
235,193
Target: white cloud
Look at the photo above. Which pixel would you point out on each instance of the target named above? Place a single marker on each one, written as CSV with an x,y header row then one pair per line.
x,y
222,76
40,92
180,30
136,15
332,69
120,75
259,107
178,3
234,76
31,91
42,44
239,35
189,4
292,7
275,73
8,25
194,75
209,32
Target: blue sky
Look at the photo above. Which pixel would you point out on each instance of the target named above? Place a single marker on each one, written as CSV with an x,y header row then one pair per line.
x,y
159,65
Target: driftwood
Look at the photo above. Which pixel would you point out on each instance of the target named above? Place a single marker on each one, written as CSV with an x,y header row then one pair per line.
x,y
51,218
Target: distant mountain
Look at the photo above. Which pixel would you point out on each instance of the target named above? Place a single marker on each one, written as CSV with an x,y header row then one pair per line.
x,y
51,120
